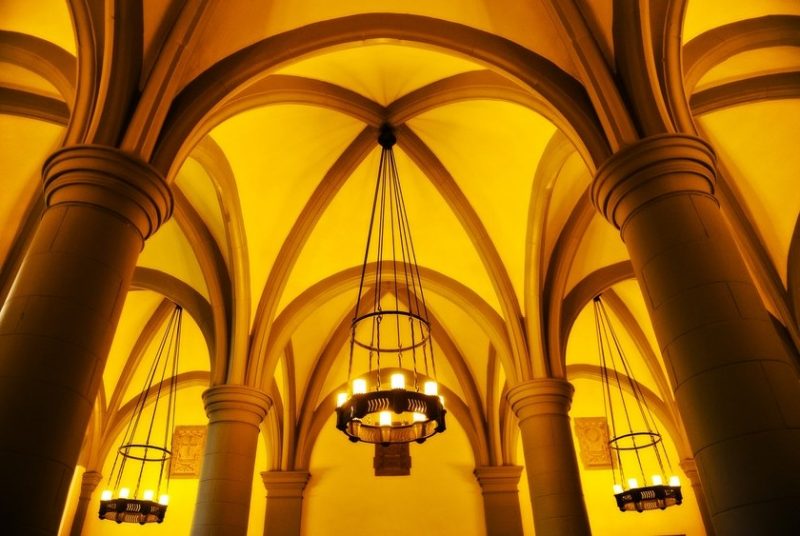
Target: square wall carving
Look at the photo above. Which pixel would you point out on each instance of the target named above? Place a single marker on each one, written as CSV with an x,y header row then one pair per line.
x,y
392,460
188,446
593,438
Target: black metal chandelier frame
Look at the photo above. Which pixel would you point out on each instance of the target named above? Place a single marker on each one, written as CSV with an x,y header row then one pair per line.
x,y
145,452
625,437
395,415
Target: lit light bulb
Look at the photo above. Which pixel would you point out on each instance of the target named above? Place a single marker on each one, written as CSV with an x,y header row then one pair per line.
x,y
617,489
657,481
124,492
385,418
633,483
341,398
674,481
398,381
106,495
419,417
163,499
431,388
148,495
359,386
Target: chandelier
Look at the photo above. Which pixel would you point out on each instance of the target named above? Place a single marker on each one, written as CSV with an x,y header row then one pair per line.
x,y
636,444
137,488
393,328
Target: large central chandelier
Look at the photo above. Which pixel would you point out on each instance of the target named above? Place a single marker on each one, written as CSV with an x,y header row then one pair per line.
x,y
390,327
138,484
637,447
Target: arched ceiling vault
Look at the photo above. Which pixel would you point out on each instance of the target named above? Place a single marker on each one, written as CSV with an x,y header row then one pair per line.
x,y
500,135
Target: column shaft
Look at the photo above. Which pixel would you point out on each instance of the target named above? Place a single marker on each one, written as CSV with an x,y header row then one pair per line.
x,y
284,502
501,499
59,319
226,480
542,407
88,484
689,468
736,388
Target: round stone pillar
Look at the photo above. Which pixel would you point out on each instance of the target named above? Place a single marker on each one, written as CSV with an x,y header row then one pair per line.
x,y
501,499
226,480
542,407
89,483
689,468
735,386
284,501
59,319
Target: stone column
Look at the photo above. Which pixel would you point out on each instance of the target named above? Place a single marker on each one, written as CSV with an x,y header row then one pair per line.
x,y
284,501
542,407
689,468
89,483
59,319
736,388
226,480
500,499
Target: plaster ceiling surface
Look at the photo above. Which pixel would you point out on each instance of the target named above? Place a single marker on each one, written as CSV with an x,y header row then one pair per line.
x,y
571,182
279,155
196,184
381,72
240,23
600,246
757,143
751,63
703,15
24,144
139,307
16,77
170,251
49,21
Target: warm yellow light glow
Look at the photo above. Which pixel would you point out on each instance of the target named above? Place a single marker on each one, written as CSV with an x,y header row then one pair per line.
x,y
123,493
341,398
431,388
385,418
148,495
359,386
674,481
418,417
163,499
617,489
398,381
106,495
441,399
633,483
657,480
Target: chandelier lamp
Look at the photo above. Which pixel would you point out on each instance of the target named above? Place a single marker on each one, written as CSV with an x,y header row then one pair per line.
x,y
138,484
394,329
637,447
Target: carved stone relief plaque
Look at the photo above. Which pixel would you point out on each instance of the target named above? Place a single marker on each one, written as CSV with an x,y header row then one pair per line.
x,y
592,435
392,460
188,445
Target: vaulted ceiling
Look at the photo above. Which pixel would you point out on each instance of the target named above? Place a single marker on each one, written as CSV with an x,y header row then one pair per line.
x,y
264,116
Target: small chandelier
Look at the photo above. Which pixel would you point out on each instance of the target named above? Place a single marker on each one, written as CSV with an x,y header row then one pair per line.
x,y
137,488
399,332
636,444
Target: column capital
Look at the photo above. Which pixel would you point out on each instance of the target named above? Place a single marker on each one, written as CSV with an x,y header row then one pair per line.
x,y
110,179
539,397
237,403
498,478
285,483
655,167
89,482
689,468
